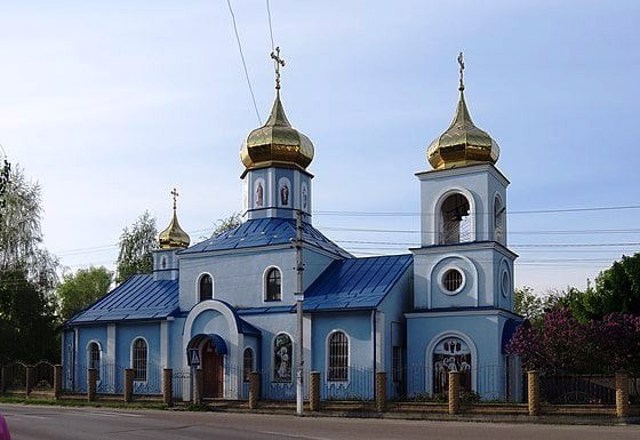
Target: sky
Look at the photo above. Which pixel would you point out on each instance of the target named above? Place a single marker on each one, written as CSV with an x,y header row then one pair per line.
x,y
108,105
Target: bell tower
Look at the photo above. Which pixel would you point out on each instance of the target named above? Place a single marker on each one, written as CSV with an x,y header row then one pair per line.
x,y
463,260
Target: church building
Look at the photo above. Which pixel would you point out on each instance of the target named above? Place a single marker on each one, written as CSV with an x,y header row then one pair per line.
x,y
227,305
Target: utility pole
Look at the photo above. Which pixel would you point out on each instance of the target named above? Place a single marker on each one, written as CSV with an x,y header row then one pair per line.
x,y
299,298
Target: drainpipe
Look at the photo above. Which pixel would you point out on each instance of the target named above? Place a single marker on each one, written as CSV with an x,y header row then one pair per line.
x,y
375,360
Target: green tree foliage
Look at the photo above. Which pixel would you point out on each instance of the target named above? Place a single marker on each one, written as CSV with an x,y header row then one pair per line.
x,y
27,320
21,235
617,289
27,274
527,304
226,224
136,245
80,290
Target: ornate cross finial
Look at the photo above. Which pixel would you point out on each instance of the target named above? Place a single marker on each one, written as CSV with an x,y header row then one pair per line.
x,y
461,62
275,55
175,195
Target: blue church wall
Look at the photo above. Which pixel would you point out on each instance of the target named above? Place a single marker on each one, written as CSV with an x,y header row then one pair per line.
x,y
391,322
481,331
273,385
126,333
86,335
482,282
246,287
358,329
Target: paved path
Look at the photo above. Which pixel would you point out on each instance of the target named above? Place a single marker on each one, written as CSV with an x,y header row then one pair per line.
x,y
54,423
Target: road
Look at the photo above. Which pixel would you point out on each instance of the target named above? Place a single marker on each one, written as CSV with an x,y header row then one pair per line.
x,y
53,423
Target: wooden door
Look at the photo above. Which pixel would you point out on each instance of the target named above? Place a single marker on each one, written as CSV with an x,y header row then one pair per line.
x,y
212,372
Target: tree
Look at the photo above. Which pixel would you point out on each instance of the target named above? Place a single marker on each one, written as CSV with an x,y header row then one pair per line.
x,y
136,245
5,171
20,232
617,289
226,224
527,304
80,290
27,320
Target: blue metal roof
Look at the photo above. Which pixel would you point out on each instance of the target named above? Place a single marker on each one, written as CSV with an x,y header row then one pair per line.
x,y
140,297
266,232
356,283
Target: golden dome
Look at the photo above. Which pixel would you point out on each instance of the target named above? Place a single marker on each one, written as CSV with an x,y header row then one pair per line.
x,y
276,143
174,236
462,143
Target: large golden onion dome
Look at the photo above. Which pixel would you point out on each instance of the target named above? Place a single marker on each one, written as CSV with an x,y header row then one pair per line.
x,y
462,143
276,142
174,236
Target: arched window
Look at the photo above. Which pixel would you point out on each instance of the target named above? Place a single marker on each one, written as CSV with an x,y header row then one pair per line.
x,y
205,287
139,360
455,220
282,358
273,287
93,355
498,220
247,364
338,370
451,354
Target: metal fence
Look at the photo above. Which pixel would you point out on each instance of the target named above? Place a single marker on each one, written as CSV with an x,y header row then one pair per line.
x,y
357,384
42,375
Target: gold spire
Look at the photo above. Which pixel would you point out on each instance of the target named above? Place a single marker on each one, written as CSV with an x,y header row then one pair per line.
x,y
276,143
462,143
174,237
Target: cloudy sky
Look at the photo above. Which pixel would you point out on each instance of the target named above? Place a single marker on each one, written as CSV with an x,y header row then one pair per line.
x,y
110,104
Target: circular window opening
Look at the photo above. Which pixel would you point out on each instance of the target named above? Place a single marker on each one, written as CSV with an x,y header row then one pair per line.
x,y
452,280
505,284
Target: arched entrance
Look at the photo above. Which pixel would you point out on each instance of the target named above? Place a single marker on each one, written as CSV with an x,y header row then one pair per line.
x,y
212,350
212,371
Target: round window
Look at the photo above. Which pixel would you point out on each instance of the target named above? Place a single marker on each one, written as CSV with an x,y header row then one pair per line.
x,y
452,280
505,284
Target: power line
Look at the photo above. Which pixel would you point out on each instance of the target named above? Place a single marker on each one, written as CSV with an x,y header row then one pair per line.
x,y
414,214
244,63
270,26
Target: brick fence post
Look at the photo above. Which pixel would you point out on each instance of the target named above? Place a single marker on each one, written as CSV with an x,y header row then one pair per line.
x,y
57,381
197,390
128,385
622,394
533,391
92,384
167,386
254,389
314,391
381,391
454,392
29,379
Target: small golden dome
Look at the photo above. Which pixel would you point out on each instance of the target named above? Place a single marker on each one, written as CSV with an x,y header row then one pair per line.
x,y
174,236
276,143
462,143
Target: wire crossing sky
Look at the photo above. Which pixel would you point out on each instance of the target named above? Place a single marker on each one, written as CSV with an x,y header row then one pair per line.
x,y
110,105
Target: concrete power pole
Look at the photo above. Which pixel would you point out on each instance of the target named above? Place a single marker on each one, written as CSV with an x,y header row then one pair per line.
x,y
299,298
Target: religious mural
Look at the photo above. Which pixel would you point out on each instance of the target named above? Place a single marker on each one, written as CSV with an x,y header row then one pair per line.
x,y
451,354
259,199
282,358
284,192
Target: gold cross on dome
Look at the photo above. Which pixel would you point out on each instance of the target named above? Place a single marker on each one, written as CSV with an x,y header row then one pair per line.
x,y
275,55
175,195
461,63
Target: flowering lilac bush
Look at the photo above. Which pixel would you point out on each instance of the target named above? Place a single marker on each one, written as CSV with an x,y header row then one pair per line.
x,y
561,342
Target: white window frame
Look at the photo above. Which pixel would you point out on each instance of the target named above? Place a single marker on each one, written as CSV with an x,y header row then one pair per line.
x,y
146,367
94,341
328,354
213,286
265,282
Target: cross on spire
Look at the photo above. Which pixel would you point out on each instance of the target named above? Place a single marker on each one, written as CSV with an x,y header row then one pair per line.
x,y
275,55
175,195
461,63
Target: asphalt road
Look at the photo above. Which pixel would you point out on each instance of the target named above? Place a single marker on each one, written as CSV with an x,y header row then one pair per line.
x,y
53,423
